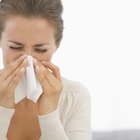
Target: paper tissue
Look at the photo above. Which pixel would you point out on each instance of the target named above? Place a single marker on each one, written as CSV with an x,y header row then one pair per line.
x,y
29,86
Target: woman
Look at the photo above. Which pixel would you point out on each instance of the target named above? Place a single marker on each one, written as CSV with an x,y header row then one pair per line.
x,y
62,112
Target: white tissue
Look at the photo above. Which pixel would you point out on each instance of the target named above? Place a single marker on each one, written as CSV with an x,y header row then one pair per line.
x,y
29,86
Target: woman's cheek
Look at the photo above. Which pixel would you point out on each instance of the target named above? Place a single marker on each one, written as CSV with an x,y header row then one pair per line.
x,y
50,53
46,56
43,57
9,56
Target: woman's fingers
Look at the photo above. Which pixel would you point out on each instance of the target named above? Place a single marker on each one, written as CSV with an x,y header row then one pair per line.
x,y
12,81
12,67
5,80
41,72
45,74
10,73
55,70
51,68
16,79
15,73
49,76
1,71
50,79
9,78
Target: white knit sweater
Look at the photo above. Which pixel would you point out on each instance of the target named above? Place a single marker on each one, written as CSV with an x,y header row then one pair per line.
x,y
71,120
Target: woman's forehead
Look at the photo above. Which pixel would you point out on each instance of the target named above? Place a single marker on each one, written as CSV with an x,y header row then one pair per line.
x,y
18,28
22,23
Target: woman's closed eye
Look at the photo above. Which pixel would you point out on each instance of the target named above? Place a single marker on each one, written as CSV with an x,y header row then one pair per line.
x,y
21,48
41,50
16,48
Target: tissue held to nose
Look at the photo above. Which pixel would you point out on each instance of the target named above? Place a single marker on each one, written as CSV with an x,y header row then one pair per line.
x,y
29,86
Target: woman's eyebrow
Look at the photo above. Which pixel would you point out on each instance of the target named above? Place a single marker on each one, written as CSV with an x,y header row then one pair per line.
x,y
36,45
15,42
41,44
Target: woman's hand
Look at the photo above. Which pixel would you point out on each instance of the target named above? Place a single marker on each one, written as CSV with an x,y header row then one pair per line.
x,y
24,123
50,79
9,79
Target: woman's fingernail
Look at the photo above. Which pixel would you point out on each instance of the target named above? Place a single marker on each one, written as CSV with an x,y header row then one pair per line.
x,y
22,70
37,67
34,60
25,60
43,62
24,56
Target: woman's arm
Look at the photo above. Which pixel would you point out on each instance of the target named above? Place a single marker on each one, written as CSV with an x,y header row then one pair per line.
x,y
5,117
24,123
9,78
77,124
51,127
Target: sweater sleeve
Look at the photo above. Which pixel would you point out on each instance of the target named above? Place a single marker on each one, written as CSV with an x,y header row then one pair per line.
x,y
51,127
77,126
5,117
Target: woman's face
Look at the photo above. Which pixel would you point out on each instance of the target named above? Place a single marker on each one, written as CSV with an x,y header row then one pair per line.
x,y
30,36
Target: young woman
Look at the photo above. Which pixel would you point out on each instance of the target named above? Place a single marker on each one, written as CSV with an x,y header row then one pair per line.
x,y
62,112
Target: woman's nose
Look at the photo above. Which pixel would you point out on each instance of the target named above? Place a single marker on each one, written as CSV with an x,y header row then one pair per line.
x,y
29,52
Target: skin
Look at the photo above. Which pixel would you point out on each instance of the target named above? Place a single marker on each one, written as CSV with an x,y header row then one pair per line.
x,y
21,37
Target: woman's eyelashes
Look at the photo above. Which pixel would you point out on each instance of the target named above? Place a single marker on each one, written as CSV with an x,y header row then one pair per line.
x,y
41,50
16,48
21,49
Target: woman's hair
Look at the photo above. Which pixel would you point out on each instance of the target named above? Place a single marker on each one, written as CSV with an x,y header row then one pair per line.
x,y
51,10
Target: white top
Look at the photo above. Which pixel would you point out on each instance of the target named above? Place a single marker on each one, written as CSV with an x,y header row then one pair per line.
x,y
71,120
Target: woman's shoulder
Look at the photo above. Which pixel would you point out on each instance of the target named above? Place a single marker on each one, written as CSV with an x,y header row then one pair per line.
x,y
74,98
74,88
